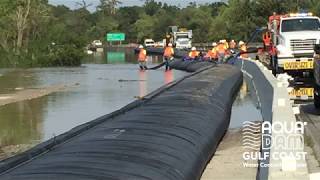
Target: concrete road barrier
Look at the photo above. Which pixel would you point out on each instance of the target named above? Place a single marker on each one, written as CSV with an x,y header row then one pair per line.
x,y
277,109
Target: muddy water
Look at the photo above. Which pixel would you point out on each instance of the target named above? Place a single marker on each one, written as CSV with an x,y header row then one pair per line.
x,y
104,84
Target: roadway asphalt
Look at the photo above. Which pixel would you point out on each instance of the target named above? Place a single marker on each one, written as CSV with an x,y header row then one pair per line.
x,y
311,115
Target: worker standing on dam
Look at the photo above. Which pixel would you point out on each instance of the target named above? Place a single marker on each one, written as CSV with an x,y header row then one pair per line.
x,y
212,53
193,54
142,58
168,55
243,49
221,50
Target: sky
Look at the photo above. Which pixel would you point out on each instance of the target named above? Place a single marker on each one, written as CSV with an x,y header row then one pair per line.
x,y
182,3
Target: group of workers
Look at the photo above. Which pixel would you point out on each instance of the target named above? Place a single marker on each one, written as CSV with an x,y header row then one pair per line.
x,y
167,57
220,50
218,53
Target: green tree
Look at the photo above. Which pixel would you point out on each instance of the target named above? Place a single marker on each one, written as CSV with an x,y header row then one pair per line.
x,y
109,6
144,28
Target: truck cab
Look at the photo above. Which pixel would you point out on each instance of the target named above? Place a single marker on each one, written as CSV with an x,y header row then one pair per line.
x,y
183,39
296,35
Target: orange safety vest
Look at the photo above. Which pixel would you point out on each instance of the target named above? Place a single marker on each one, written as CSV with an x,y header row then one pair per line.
x,y
212,53
226,46
168,52
194,54
267,39
142,55
221,49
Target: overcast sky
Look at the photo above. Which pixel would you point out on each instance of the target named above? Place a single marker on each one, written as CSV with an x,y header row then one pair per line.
x,y
182,3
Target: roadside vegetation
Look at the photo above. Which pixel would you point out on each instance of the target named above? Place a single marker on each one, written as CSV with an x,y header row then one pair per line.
x,y
34,33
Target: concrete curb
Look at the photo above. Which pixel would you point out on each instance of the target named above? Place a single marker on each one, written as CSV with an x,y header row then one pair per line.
x,y
283,168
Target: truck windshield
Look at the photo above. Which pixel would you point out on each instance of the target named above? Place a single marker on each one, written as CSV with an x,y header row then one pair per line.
x,y
182,36
291,25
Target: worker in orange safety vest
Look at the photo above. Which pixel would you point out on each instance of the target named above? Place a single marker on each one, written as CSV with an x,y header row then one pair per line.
x,y
142,58
168,55
193,54
243,49
212,53
221,51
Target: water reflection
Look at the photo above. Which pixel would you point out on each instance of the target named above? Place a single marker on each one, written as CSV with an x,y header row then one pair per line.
x,y
115,57
168,77
245,107
142,83
12,80
21,123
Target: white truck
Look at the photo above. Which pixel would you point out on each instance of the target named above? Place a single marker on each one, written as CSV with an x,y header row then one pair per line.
x,y
149,43
183,39
294,36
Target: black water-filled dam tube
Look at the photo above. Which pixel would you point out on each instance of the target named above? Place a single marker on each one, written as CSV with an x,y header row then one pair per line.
x,y
189,66
169,135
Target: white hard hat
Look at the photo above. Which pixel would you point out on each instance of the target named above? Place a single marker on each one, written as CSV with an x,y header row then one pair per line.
x,y
140,47
170,44
193,48
241,43
214,44
224,41
232,40
221,41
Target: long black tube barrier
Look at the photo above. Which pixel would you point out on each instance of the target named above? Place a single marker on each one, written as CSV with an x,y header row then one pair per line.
x,y
169,135
189,66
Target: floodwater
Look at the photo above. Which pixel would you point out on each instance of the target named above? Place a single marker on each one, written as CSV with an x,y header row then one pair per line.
x,y
105,83
245,107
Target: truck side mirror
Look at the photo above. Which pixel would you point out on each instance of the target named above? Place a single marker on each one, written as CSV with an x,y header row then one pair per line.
x,y
317,48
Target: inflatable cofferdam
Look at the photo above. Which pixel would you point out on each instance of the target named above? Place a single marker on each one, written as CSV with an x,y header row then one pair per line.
x,y
170,136
190,66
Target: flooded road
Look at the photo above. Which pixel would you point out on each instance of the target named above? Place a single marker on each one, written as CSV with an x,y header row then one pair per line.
x,y
105,83
101,88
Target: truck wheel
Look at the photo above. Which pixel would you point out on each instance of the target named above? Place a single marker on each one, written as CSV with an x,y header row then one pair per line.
x,y
316,100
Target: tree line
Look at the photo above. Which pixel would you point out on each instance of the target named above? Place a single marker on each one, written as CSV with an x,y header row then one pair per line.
x,y
35,33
